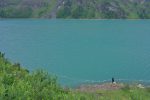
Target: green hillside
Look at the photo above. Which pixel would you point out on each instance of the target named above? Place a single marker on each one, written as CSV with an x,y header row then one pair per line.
x,y
89,9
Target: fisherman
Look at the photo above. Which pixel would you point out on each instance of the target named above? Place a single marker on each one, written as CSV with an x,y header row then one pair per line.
x,y
113,80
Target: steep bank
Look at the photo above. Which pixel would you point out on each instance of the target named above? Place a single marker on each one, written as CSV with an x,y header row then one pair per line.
x,y
95,9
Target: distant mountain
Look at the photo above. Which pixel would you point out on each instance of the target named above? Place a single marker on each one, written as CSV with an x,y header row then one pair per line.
x,y
98,9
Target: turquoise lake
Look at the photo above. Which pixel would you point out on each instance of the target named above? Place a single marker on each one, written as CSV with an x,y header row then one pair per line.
x,y
79,51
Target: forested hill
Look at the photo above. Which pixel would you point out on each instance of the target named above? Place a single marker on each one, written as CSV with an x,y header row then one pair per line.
x,y
97,9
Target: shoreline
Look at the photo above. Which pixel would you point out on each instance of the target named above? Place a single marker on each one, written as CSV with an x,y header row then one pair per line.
x,y
68,19
108,87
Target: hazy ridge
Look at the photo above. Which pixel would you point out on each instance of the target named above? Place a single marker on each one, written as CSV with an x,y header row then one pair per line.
x,y
98,9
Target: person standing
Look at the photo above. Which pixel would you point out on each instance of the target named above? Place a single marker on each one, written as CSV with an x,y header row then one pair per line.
x,y
113,80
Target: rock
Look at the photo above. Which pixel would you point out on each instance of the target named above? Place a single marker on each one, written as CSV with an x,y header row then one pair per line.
x,y
140,86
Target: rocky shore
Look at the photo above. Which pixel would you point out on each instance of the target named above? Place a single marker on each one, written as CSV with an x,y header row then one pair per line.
x,y
107,86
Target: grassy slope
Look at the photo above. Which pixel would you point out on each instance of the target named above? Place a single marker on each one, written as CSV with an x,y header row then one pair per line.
x,y
17,83
74,9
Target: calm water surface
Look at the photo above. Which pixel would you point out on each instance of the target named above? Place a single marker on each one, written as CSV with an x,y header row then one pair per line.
x,y
80,50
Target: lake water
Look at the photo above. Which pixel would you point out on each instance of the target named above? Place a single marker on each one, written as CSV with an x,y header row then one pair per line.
x,y
80,51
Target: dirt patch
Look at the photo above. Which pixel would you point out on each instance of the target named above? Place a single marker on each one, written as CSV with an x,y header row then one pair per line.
x,y
97,87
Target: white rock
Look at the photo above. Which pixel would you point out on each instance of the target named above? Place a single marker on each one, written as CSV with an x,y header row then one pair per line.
x,y
140,86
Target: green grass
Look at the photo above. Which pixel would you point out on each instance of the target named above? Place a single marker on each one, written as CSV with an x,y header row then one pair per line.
x,y
17,83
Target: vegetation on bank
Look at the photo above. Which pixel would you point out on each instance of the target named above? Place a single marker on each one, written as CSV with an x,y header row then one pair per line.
x,y
17,83
95,9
